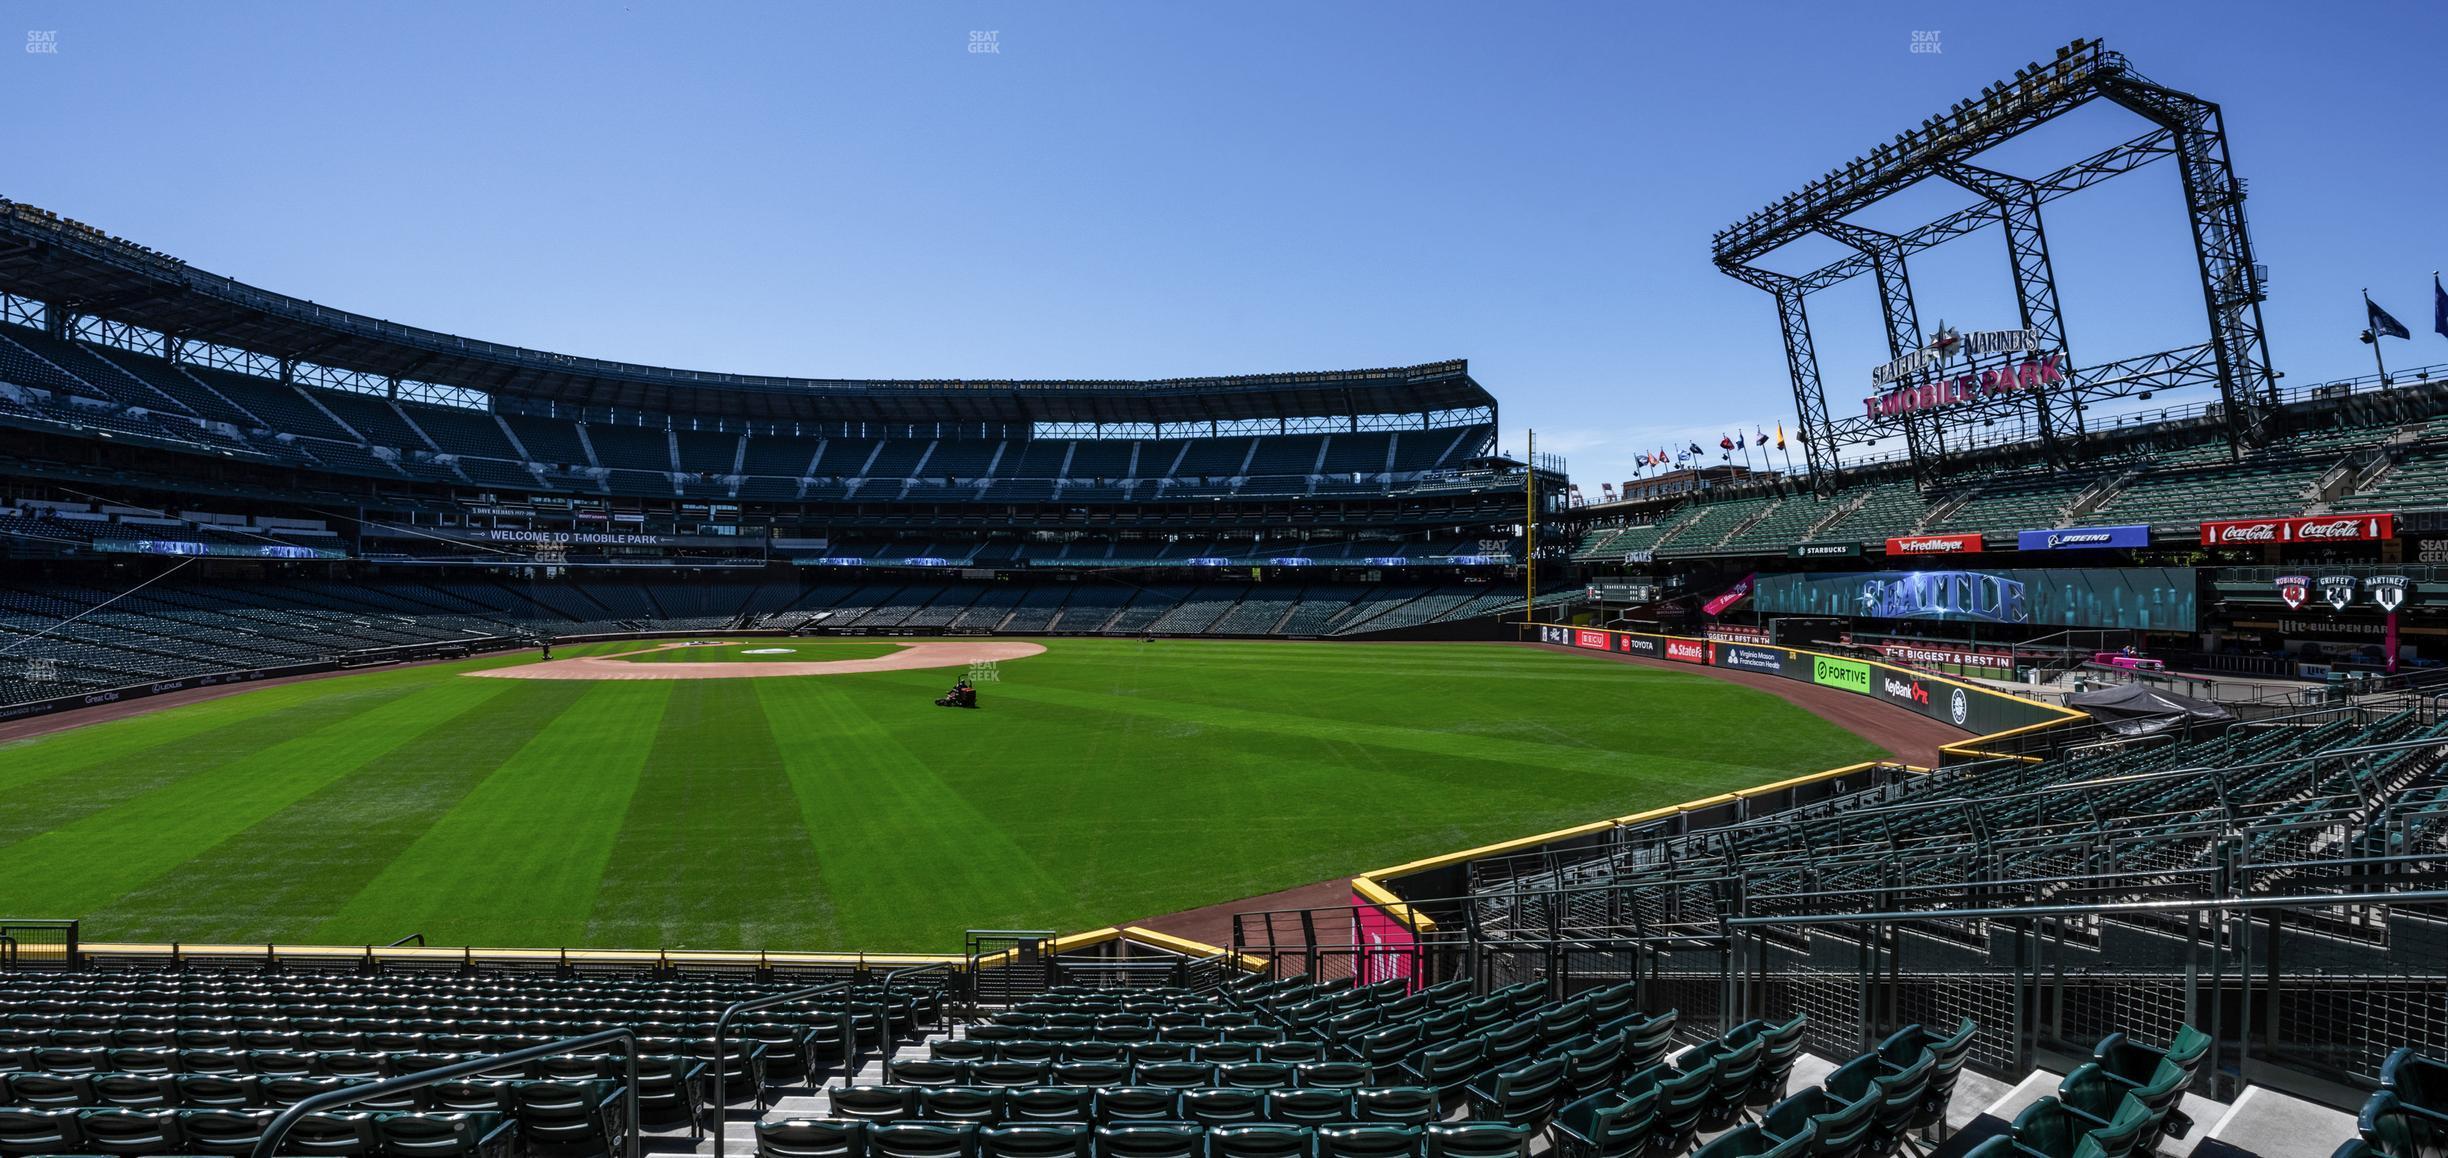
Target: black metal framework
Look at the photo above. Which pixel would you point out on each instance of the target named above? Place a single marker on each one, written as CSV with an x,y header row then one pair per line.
x,y
2188,129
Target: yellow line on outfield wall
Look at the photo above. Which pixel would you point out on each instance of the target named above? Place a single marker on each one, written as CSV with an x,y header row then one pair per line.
x,y
1134,934
1370,887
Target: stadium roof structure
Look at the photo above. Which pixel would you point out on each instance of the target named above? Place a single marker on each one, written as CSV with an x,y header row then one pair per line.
x,y
77,270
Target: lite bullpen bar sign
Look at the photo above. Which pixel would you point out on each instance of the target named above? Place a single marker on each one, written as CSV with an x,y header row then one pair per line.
x,y
1966,706
2316,529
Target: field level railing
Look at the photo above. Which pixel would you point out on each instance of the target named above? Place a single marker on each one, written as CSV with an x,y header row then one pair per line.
x,y
722,1058
278,1128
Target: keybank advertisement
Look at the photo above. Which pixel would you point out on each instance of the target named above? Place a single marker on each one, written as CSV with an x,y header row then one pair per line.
x,y
2134,598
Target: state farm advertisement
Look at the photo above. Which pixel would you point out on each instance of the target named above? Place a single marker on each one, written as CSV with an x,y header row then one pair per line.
x,y
2316,529
1687,650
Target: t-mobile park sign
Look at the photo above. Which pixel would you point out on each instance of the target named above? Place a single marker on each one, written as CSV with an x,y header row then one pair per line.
x,y
1906,385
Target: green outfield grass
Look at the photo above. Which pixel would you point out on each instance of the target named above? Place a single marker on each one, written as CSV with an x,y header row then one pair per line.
x,y
1103,781
764,651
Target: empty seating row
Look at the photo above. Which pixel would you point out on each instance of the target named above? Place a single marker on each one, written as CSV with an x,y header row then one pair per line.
x,y
1210,1105
811,1138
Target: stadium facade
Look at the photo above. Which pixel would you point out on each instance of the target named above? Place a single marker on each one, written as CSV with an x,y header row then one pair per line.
x,y
412,489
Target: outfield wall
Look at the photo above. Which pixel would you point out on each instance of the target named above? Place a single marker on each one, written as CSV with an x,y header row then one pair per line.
x,y
1381,898
376,657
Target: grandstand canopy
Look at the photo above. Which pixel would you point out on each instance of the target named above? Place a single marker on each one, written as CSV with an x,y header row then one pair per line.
x,y
81,271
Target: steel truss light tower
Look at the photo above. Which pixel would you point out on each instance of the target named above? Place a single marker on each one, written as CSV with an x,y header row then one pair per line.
x,y
2186,127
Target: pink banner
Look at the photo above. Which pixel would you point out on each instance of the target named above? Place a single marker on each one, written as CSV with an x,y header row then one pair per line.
x,y
1386,946
1730,596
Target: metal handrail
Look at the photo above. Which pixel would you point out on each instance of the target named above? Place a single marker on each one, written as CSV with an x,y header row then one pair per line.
x,y
419,938
896,975
274,1133
722,1057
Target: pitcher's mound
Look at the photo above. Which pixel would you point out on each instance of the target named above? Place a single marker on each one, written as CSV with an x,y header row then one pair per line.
x,y
934,653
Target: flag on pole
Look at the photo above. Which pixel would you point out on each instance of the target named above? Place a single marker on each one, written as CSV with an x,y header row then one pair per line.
x,y
1780,435
1724,443
1763,436
2382,325
2439,306
1695,449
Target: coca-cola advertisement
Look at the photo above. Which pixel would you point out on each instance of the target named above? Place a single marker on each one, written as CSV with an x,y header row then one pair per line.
x,y
2315,529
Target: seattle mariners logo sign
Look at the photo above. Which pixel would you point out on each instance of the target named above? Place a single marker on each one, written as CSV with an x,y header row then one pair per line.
x,y
2293,590
2389,591
2337,591
1959,707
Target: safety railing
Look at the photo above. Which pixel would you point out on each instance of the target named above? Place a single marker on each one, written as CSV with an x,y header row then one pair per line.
x,y
722,1056
278,1129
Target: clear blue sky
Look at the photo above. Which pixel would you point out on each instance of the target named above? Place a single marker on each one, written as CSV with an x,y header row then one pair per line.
x,y
1152,190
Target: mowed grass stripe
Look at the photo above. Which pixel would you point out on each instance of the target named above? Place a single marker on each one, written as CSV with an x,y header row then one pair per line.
x,y
521,859
299,865
112,762
861,790
93,861
710,854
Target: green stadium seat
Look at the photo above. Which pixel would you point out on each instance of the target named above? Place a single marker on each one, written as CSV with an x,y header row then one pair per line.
x,y
1035,1140
1397,1105
1370,1140
916,1139
1221,1106
569,1117
875,1103
1259,1140
980,1104
231,1133
332,1135
1049,1104
1150,1140
1478,1140
1606,1124
28,1130
131,1133
811,1138
1309,1106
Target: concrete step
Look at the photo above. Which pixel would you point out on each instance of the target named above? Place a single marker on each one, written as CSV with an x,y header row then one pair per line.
x,y
2270,1124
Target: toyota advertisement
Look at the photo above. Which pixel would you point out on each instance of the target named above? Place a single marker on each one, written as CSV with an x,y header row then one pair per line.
x,y
2133,598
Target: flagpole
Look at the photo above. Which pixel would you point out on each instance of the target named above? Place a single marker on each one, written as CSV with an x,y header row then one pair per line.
x,y
2373,335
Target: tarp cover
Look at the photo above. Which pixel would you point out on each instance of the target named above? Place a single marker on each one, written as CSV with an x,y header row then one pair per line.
x,y
2136,710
